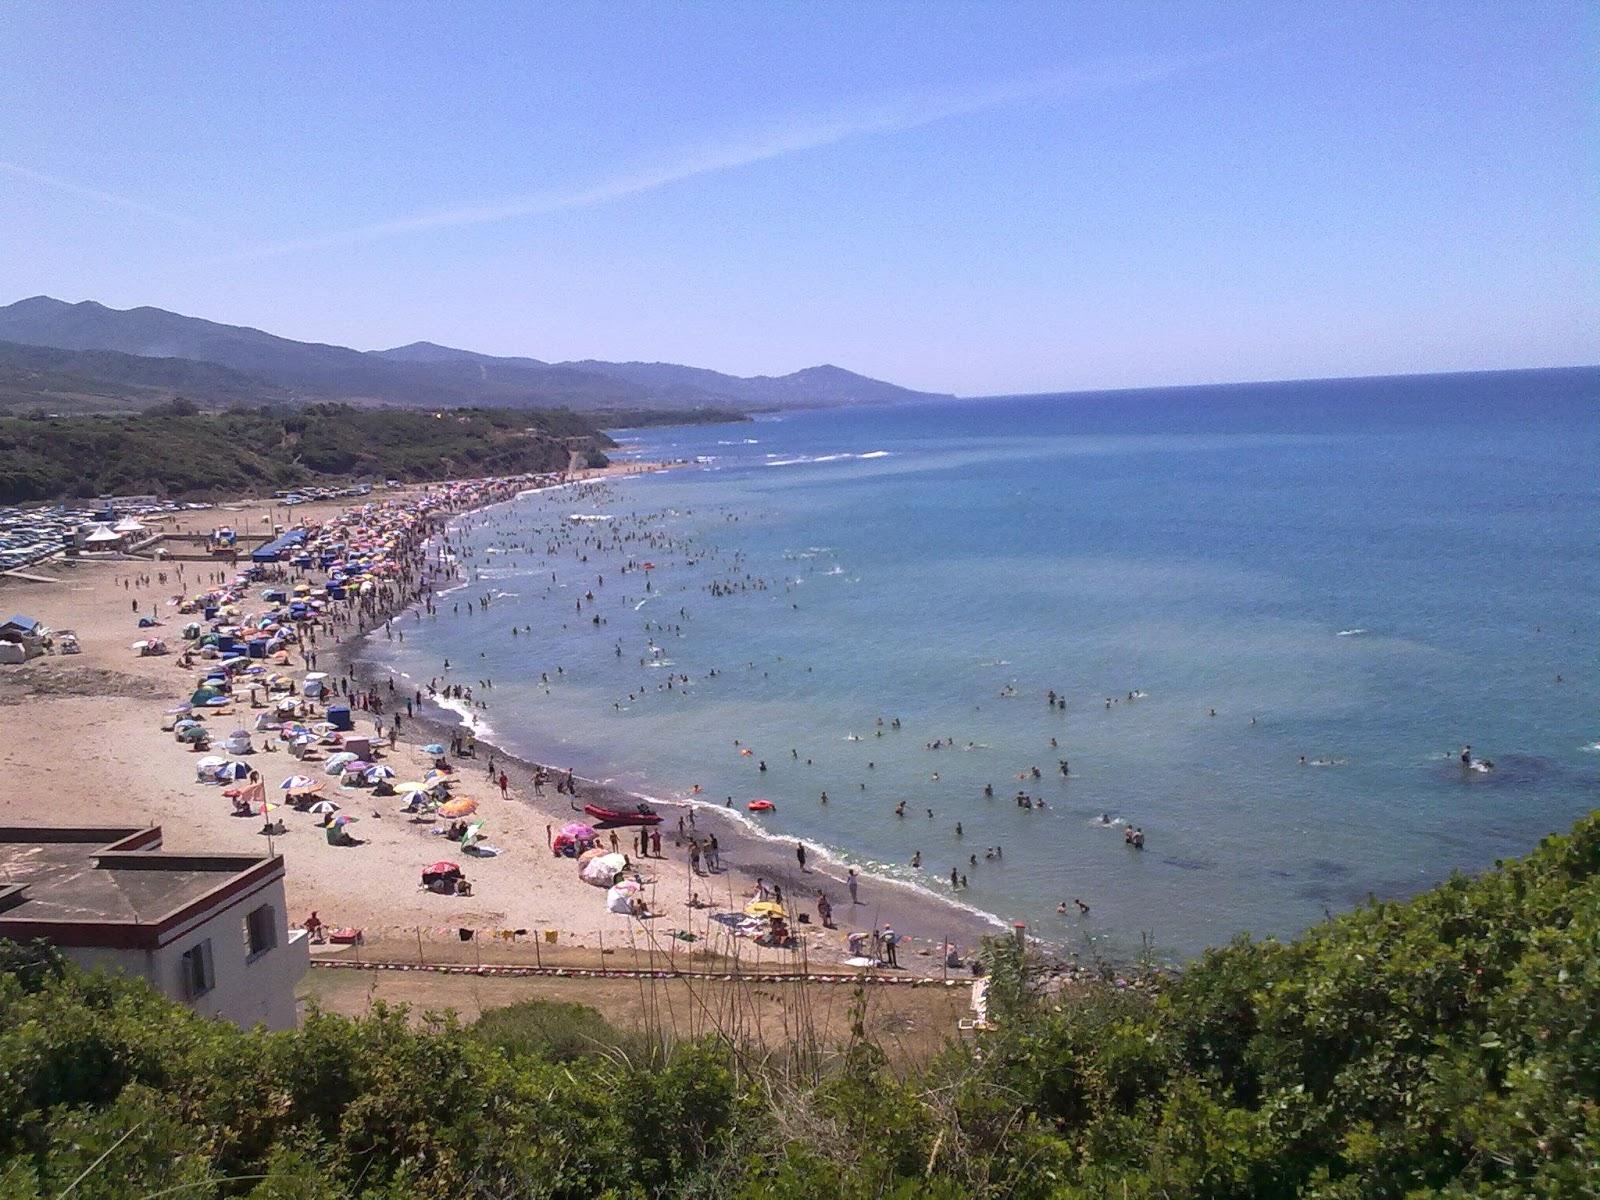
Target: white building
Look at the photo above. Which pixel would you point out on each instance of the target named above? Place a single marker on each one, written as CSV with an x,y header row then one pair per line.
x,y
210,930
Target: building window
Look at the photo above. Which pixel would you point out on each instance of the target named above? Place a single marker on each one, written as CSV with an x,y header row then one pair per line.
x,y
195,965
260,932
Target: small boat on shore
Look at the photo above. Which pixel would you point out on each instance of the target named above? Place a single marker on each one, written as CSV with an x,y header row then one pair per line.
x,y
637,814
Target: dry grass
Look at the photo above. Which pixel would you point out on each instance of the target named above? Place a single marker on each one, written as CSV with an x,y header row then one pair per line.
x,y
910,1023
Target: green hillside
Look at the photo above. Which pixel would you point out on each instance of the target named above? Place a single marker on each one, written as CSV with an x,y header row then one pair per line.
x,y
1448,1046
173,451
421,374
46,379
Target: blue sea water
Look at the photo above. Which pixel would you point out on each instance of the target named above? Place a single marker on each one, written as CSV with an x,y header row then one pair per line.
x,y
1366,573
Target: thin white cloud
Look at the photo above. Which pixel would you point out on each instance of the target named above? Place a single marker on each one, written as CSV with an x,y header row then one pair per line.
x,y
887,116
99,195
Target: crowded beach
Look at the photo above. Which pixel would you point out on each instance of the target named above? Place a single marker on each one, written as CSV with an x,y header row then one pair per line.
x,y
218,697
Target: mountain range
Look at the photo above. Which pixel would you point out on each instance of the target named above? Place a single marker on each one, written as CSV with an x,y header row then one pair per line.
x,y
88,357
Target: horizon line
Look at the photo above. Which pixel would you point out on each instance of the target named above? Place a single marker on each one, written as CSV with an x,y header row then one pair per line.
x,y
1003,395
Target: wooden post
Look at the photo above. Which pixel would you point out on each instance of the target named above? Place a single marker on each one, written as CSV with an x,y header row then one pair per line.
x,y
419,945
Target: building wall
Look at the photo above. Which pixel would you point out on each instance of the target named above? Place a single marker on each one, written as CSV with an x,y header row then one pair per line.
x,y
246,990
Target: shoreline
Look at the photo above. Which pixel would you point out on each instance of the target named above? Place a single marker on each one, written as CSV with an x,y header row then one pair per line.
x,y
752,855
129,771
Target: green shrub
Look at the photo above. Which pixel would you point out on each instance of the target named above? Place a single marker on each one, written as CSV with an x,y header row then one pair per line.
x,y
550,1029
1447,1046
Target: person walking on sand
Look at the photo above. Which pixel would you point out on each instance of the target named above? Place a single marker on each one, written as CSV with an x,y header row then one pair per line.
x,y
890,940
655,843
505,785
824,910
800,854
851,881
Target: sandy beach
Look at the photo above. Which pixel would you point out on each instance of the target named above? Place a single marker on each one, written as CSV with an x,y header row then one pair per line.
x,y
81,743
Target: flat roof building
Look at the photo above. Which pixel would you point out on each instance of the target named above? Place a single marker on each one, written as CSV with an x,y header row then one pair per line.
x,y
209,930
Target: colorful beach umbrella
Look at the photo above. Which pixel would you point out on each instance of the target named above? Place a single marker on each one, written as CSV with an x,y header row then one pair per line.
x,y
322,807
463,807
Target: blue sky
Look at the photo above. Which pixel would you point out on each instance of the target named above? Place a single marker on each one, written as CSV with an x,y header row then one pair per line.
x,y
970,198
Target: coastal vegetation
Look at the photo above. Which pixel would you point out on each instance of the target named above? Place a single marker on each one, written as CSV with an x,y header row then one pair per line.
x,y
1445,1046
173,450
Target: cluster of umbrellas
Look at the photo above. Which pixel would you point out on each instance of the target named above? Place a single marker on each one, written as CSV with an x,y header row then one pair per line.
x,y
215,769
603,868
574,840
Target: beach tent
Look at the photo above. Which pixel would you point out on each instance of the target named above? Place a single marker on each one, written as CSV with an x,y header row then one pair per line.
x,y
620,898
25,633
443,873
603,871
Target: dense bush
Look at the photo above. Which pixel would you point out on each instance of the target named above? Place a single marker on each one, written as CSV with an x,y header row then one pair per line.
x,y
1448,1046
554,1030
174,451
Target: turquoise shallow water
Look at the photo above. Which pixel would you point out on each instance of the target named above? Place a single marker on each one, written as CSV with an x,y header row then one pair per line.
x,y
1367,573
